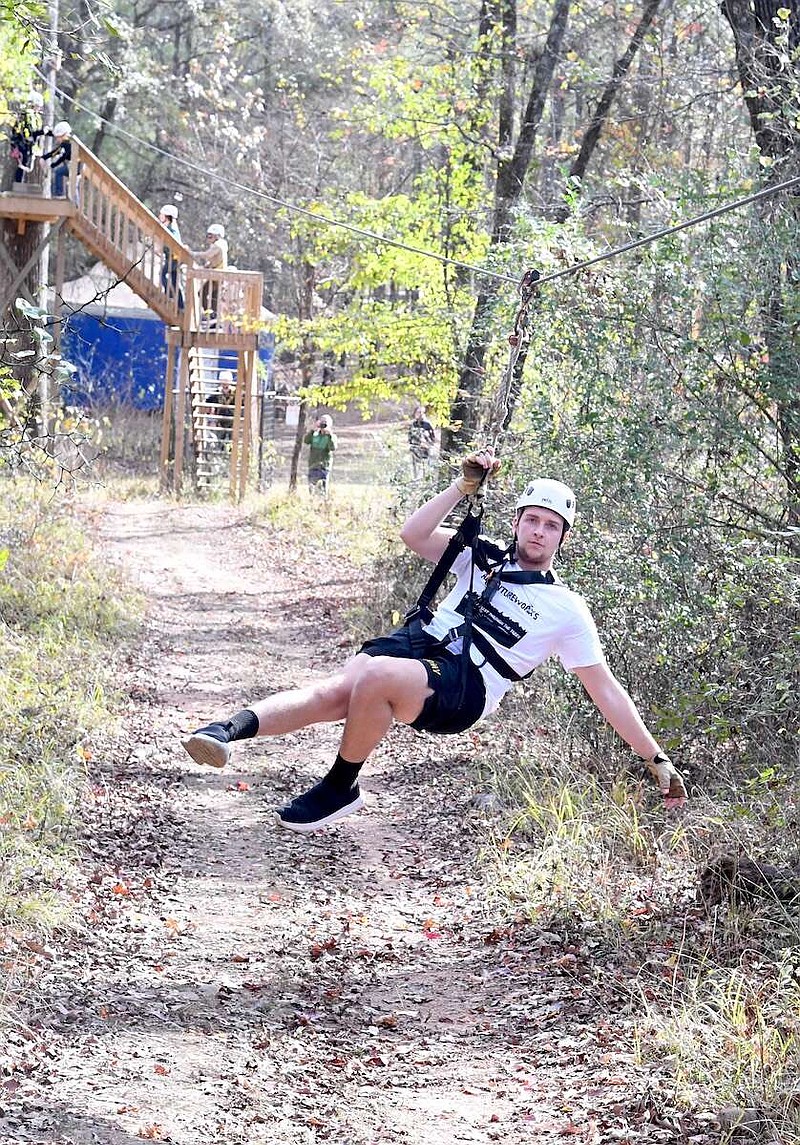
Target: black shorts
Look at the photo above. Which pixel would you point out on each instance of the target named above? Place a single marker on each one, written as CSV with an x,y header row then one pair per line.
x,y
442,713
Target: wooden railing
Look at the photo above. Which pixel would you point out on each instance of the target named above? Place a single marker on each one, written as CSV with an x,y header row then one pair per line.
x,y
224,302
122,232
131,241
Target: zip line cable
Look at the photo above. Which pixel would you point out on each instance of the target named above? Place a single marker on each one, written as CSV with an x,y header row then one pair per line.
x,y
696,220
764,193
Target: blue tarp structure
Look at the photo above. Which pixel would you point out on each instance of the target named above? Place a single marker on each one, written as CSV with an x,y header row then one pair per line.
x,y
117,345
119,359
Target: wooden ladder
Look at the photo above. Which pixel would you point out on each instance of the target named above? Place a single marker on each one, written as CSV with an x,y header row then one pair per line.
x,y
212,416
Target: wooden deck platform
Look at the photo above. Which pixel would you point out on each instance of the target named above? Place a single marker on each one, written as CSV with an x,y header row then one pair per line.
x,y
33,208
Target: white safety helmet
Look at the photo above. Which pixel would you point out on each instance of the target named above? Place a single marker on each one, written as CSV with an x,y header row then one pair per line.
x,y
325,422
170,210
547,494
62,128
216,229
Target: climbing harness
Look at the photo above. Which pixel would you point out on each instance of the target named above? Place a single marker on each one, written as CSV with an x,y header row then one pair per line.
x,y
474,607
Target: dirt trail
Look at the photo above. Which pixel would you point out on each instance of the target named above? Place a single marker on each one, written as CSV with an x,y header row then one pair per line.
x,y
232,982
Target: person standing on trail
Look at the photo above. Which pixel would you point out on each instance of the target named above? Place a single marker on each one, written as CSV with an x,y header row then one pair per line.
x,y
441,672
421,443
321,442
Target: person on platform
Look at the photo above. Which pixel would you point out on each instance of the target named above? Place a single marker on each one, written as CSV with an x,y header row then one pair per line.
x,y
170,267
214,257
60,156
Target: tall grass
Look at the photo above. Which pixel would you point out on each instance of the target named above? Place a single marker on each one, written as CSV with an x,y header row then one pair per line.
x,y
587,851
62,615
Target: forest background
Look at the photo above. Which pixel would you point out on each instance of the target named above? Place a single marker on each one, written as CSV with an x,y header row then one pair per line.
x,y
472,142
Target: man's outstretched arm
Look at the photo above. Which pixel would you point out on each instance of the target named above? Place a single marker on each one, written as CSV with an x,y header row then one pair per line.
x,y
616,706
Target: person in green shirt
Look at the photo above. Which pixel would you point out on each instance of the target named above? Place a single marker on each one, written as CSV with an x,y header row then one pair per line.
x,y
321,442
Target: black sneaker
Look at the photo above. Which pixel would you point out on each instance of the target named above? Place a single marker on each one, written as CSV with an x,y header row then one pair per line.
x,y
319,806
209,745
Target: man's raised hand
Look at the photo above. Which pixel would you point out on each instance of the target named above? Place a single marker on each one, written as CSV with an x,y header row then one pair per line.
x,y
475,469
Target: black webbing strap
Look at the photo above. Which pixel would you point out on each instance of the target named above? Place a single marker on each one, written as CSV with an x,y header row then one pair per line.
x,y
523,576
466,534
494,659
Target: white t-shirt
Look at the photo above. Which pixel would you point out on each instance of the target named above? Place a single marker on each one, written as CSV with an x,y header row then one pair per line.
x,y
525,623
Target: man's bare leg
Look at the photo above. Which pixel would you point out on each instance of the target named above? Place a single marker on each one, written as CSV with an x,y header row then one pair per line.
x,y
386,690
325,701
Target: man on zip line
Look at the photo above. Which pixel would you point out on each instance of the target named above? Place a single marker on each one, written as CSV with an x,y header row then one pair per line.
x,y
445,670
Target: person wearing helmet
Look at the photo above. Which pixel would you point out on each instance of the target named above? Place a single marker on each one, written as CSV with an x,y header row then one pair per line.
x,y
168,217
446,669
215,257
61,156
321,442
170,267
25,135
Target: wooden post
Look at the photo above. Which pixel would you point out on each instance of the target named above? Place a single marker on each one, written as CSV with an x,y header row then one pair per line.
x,y
180,417
166,425
246,367
58,286
237,431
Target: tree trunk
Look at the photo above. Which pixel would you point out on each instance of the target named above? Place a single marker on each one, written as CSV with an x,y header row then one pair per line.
x,y
18,252
509,182
304,306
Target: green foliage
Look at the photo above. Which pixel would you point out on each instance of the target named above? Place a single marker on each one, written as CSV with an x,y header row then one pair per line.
x,y
20,52
46,359
391,311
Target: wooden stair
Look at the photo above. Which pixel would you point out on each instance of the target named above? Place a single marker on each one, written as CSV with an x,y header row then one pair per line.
x,y
212,420
219,309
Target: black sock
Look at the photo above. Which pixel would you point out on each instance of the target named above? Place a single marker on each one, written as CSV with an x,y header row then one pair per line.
x,y
343,774
244,725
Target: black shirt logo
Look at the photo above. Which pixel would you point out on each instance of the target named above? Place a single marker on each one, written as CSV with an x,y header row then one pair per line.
x,y
490,620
